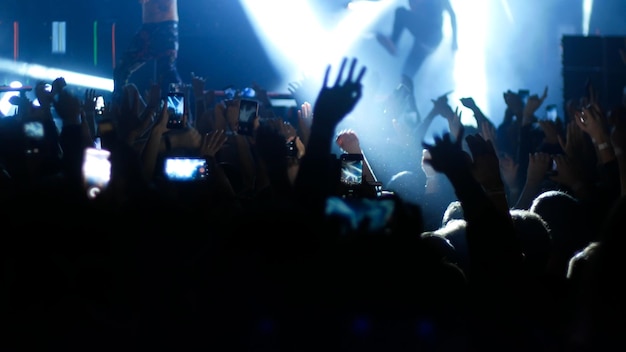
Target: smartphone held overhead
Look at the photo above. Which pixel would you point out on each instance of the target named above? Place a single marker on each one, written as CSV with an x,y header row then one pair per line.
x,y
34,133
183,169
99,105
352,169
248,111
96,171
176,109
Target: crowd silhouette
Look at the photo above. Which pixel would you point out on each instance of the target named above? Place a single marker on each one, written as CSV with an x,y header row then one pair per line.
x,y
496,237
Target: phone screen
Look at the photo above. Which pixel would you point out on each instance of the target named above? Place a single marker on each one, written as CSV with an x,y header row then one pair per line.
x,y
186,168
34,132
551,113
176,109
99,100
248,110
34,129
96,171
523,94
352,169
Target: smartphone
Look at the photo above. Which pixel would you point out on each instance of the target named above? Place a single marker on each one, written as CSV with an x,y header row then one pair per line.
x,y
176,109
186,169
552,170
34,133
248,111
292,149
99,100
351,169
96,171
523,94
551,113
34,130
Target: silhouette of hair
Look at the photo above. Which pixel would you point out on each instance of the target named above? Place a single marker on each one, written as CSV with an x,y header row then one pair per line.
x,y
534,236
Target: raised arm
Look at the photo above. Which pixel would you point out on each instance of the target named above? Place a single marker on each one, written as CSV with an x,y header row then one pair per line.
x,y
333,103
348,140
448,8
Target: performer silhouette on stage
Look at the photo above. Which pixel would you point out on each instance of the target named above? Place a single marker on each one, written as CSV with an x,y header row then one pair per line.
x,y
424,20
157,39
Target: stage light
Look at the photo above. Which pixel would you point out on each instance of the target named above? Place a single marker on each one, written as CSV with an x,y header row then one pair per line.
x,y
587,9
293,34
359,4
6,107
44,73
470,77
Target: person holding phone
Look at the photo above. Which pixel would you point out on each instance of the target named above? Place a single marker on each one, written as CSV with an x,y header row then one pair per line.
x,y
157,39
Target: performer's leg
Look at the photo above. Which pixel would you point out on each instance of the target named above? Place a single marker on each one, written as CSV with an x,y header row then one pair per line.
x,y
415,59
402,19
166,52
132,59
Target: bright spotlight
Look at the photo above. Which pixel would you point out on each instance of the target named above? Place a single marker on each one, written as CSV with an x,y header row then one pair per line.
x,y
50,74
295,39
587,9
6,108
469,67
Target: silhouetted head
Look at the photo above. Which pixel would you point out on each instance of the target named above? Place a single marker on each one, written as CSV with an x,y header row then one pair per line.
x,y
408,185
534,236
569,223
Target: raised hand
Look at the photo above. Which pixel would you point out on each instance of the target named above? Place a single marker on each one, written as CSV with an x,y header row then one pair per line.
x,y
447,156
441,106
514,103
486,165
568,173
68,106
89,103
212,143
305,120
488,132
348,140
573,144
58,85
538,166
160,125
44,97
303,90
454,122
592,123
550,131
469,103
532,104
335,102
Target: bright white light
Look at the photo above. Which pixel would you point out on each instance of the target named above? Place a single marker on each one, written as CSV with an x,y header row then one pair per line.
x,y
6,108
469,66
587,9
50,74
289,31
297,43
507,11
